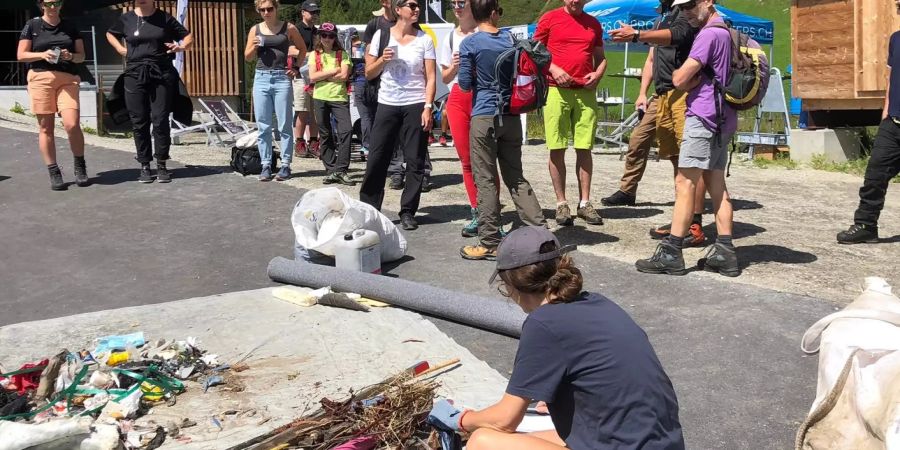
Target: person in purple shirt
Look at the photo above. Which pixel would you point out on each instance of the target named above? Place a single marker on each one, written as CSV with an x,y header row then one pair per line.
x,y
708,128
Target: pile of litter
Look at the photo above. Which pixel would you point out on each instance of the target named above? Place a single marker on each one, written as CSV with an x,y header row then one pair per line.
x,y
93,397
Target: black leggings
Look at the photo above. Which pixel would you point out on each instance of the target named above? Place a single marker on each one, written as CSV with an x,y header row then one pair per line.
x,y
150,91
395,125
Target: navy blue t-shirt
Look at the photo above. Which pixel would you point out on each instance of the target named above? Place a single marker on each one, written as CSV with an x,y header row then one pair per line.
x,y
599,375
477,55
894,63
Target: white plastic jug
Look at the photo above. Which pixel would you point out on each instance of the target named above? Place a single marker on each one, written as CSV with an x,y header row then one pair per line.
x,y
359,250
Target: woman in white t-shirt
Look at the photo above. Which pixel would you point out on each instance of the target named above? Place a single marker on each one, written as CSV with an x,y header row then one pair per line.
x,y
407,69
459,103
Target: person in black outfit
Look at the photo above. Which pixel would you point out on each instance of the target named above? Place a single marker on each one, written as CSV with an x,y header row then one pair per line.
x,y
53,48
884,163
580,353
152,37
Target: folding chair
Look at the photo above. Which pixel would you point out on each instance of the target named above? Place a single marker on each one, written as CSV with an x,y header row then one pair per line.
x,y
179,129
222,114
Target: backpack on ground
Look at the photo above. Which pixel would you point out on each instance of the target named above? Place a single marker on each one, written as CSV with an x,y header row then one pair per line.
x,y
520,77
246,161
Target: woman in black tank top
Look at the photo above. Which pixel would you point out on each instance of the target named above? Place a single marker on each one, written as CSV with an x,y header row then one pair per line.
x,y
270,42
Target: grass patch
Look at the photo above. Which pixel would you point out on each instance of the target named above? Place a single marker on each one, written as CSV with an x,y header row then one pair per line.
x,y
18,109
89,130
854,166
780,161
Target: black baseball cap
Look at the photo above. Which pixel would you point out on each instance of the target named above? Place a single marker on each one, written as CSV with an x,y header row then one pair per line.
x,y
310,5
522,247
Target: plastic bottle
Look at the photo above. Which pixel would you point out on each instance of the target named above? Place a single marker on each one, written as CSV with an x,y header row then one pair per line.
x,y
360,251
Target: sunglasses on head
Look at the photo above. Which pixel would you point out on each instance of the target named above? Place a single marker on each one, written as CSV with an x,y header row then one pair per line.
x,y
266,10
412,6
327,35
56,4
689,5
458,5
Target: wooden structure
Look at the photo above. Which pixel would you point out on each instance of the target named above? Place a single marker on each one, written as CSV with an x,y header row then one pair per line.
x,y
839,56
213,67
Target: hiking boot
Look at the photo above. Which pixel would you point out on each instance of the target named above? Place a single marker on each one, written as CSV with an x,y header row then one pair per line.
x,y
590,215
858,234
564,215
666,259
695,238
661,232
720,259
618,199
478,252
146,176
56,179
329,179
283,174
426,184
162,173
343,178
408,222
314,149
443,140
430,139
81,176
300,149
396,182
266,174
471,228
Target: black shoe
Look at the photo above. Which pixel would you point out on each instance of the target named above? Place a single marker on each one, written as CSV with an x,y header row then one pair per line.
x,y
81,176
618,199
56,179
426,184
720,259
343,178
162,173
146,176
667,259
858,234
408,222
329,179
396,182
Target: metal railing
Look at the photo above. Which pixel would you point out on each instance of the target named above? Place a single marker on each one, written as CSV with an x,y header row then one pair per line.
x,y
15,72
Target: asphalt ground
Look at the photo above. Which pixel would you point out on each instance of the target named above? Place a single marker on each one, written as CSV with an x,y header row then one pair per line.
x,y
731,349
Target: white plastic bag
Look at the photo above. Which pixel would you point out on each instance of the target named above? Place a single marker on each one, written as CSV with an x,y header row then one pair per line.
x,y
324,215
248,141
857,401
55,434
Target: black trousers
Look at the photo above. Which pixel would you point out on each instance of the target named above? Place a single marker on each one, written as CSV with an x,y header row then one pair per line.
x,y
334,144
150,92
395,125
884,164
396,167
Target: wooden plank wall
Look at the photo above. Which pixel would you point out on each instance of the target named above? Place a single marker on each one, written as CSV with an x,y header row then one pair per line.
x,y
875,21
823,49
212,67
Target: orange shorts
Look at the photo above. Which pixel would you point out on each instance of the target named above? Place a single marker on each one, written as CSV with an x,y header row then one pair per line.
x,y
52,92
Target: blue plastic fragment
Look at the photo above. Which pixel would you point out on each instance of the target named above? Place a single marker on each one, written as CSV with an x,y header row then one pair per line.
x,y
212,381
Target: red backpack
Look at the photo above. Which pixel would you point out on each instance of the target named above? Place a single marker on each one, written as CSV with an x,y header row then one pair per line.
x,y
520,77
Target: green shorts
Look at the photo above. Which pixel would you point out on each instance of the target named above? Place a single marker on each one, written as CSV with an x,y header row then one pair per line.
x,y
570,113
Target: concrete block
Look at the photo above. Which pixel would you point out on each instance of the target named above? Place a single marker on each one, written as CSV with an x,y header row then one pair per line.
x,y
838,145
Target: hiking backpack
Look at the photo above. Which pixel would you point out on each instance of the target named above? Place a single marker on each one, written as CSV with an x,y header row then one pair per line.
x,y
748,75
370,90
520,77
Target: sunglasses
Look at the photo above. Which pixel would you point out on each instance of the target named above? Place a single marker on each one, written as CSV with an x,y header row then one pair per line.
x,y
412,6
266,10
458,5
53,4
327,35
500,11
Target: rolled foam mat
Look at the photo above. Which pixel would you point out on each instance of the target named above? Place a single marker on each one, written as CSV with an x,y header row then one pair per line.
x,y
499,316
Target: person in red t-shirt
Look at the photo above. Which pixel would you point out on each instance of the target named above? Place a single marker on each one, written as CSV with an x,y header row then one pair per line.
x,y
575,41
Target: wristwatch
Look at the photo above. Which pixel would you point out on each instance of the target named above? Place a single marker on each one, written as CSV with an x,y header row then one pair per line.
x,y
637,35
429,106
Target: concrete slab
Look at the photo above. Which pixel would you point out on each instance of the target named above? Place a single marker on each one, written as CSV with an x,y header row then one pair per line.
x,y
297,355
837,145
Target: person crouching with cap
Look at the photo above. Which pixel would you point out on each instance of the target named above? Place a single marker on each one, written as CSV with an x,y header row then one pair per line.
x,y
580,353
